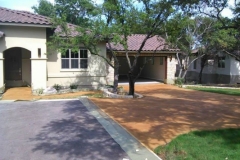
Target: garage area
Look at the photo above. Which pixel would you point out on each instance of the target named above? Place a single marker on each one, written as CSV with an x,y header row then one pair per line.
x,y
154,69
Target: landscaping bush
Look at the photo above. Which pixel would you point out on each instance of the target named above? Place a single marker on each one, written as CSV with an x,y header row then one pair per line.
x,y
179,81
57,87
73,86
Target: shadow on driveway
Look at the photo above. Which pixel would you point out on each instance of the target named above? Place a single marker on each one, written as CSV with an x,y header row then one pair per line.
x,y
62,130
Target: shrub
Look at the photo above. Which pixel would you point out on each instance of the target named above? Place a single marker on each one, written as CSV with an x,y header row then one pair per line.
x,y
120,89
179,81
57,87
73,86
39,91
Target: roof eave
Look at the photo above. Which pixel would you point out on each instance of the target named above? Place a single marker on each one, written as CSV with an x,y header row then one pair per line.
x,y
26,25
160,51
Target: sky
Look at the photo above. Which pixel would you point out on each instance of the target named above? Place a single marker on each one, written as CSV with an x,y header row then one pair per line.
x,y
27,5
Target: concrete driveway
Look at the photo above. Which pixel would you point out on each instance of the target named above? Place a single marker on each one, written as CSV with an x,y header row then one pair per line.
x,y
54,130
167,111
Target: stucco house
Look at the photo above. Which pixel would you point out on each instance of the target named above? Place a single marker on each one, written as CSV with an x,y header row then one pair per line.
x,y
26,60
224,69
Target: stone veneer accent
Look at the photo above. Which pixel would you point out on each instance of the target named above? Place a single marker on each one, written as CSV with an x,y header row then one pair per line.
x,y
171,70
110,74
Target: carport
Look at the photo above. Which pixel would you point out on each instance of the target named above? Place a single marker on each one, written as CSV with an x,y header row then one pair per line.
x,y
161,60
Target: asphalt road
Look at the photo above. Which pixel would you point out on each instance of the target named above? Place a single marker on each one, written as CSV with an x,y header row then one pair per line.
x,y
54,130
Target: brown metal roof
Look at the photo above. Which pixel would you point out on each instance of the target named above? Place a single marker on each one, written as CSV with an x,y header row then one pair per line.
x,y
22,17
134,42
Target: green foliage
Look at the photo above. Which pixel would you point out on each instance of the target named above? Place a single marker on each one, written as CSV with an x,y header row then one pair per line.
x,y
203,145
77,12
73,86
44,8
57,87
39,91
179,81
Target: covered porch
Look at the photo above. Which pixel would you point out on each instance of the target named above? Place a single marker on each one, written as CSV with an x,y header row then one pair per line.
x,y
22,58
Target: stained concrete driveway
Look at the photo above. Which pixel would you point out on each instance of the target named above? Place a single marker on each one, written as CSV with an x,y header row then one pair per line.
x,y
167,111
54,130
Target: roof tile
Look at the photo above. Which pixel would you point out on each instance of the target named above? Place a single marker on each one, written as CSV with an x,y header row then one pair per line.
x,y
24,17
134,42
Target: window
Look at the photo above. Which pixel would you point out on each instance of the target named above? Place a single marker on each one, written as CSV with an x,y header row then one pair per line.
x,y
195,64
161,61
221,62
75,60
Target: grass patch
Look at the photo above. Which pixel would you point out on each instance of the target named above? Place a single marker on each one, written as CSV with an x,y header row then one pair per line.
x,y
235,92
94,95
203,145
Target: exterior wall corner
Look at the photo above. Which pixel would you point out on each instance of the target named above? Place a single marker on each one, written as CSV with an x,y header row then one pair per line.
x,y
171,68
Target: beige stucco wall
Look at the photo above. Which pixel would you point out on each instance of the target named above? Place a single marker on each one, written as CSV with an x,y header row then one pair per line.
x,y
30,38
154,70
94,75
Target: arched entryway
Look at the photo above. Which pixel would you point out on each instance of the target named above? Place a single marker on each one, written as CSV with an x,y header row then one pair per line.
x,y
17,67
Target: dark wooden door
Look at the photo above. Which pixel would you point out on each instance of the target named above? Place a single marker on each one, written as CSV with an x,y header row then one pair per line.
x,y
13,64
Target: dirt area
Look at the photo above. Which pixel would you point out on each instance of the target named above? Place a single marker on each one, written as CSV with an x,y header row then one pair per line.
x,y
167,111
24,93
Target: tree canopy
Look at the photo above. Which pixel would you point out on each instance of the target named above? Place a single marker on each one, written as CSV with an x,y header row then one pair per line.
x,y
186,25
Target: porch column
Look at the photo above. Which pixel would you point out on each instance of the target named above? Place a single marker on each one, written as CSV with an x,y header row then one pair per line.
x,y
1,70
39,73
171,68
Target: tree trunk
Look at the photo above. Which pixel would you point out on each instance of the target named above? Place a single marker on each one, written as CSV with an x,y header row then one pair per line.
x,y
185,73
131,84
200,76
115,82
180,73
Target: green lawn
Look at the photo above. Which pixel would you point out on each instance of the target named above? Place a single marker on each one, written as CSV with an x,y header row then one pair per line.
x,y
203,145
235,92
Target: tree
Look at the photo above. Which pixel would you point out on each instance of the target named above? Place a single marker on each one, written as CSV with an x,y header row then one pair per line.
x,y
187,34
44,8
77,12
151,17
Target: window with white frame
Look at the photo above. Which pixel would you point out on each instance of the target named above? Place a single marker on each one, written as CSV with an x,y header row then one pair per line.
x,y
221,62
75,60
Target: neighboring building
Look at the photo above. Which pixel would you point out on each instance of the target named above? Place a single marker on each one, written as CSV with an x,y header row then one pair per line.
x,y
26,60
161,68
222,70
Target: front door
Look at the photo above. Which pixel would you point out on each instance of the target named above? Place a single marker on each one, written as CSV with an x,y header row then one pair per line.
x,y
13,64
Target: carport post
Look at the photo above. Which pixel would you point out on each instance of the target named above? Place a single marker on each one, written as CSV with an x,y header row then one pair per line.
x,y
170,69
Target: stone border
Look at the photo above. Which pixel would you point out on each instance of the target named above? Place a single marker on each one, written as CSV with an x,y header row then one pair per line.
x,y
109,94
129,143
62,91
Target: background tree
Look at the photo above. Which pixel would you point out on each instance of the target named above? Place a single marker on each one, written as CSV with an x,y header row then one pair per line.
x,y
187,34
77,12
44,8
